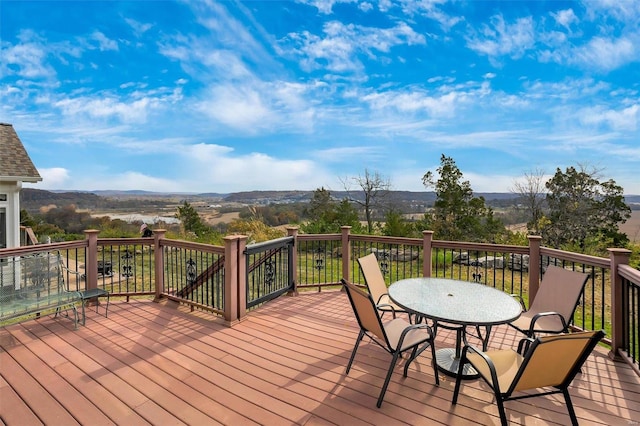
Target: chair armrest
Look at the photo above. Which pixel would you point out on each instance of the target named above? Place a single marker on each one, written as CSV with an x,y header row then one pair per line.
x,y
545,314
485,358
386,305
523,345
415,327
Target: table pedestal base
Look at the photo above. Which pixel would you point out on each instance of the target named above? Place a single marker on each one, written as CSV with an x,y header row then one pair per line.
x,y
448,363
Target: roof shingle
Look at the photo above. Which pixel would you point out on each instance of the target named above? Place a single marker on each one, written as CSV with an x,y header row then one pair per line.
x,y
15,164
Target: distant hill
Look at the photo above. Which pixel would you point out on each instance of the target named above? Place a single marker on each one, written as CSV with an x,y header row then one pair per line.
x,y
33,199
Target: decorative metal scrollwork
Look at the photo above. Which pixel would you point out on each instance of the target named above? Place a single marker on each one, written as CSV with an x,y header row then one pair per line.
x,y
191,271
319,258
127,270
384,261
269,272
477,275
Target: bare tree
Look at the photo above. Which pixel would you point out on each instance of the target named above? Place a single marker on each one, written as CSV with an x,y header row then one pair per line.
x,y
531,190
375,189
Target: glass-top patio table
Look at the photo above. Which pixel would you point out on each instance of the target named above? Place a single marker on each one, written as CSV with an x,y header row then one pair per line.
x,y
456,302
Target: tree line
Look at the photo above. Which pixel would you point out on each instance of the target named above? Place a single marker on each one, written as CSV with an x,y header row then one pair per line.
x,y
573,210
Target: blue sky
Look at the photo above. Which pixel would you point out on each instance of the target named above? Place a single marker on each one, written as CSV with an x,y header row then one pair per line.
x,y
206,96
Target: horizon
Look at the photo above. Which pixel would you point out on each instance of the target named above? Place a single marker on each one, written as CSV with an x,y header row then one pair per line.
x,y
140,191
224,97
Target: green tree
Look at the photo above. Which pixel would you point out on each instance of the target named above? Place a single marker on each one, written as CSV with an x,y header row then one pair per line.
x,y
395,225
458,215
191,220
584,213
320,213
347,215
325,215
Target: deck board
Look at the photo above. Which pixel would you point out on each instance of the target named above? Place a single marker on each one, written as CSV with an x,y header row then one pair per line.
x,y
158,363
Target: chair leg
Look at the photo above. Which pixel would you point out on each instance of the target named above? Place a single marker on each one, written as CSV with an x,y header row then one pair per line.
x,y
572,412
503,414
75,317
355,349
435,364
414,354
456,389
386,380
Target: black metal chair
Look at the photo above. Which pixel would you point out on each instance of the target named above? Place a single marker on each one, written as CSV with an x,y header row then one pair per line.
x,y
395,336
549,363
555,302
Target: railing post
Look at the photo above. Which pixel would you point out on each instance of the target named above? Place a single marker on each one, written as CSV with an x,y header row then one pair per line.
x,y
235,279
427,239
534,265
292,231
91,262
346,252
158,255
617,256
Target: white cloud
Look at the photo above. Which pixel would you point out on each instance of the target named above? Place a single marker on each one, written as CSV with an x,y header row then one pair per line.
x,y
365,6
348,154
625,119
414,102
565,18
138,27
52,178
104,43
338,51
135,111
500,38
325,6
27,59
239,107
605,54
215,167
254,107
624,11
431,9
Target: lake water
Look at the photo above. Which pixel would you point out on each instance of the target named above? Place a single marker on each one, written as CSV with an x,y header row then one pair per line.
x,y
135,217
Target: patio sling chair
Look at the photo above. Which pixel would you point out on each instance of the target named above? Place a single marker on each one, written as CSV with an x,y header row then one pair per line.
x,y
378,290
548,362
554,304
395,336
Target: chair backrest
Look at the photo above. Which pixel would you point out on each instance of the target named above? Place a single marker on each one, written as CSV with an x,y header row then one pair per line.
x,y
554,360
373,276
559,292
365,310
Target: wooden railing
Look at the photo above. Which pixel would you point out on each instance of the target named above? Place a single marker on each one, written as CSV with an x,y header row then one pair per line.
x,y
230,280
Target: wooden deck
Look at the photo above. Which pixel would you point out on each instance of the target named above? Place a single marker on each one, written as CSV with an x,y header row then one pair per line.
x,y
151,363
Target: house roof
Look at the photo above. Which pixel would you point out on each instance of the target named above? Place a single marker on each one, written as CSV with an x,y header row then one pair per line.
x,y
15,164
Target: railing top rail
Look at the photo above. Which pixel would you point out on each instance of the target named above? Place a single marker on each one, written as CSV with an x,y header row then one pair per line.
x,y
21,251
319,237
266,245
629,273
120,241
164,242
576,257
386,239
481,246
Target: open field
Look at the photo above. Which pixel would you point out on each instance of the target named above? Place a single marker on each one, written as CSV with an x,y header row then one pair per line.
x,y
213,217
632,227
